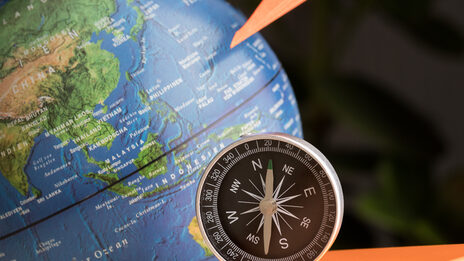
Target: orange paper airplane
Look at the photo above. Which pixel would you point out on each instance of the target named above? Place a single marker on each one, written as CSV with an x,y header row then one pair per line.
x,y
267,12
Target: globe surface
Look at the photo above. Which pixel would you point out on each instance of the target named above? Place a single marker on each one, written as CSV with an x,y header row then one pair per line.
x,y
109,112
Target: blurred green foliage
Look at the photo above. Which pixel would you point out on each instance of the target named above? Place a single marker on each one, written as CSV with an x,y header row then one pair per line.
x,y
392,195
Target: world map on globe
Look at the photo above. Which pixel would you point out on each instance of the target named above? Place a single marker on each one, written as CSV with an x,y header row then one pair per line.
x,y
109,112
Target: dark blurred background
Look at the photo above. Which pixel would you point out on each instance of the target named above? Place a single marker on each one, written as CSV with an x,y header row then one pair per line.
x,y
380,91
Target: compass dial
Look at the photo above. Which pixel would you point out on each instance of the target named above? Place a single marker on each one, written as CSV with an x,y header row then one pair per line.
x,y
269,196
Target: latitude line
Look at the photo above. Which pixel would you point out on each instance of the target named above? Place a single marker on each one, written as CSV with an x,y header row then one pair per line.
x,y
176,147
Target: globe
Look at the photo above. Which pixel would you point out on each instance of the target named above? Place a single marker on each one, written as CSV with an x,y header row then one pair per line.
x,y
109,112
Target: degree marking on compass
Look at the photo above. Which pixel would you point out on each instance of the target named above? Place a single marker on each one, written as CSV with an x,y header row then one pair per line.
x,y
221,165
212,185
213,227
224,246
209,206
238,154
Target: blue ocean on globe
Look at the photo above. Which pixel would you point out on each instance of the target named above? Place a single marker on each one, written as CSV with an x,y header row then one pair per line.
x,y
109,112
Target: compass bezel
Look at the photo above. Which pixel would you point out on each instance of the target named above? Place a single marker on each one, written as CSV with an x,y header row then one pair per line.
x,y
302,145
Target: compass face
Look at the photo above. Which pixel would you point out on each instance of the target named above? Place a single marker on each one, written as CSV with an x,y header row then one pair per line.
x,y
269,196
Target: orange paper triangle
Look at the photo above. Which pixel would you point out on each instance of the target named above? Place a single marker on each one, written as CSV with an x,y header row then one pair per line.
x,y
267,12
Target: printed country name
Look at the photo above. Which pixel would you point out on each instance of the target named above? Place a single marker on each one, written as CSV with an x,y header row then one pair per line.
x,y
47,245
49,196
148,10
34,123
31,80
159,92
124,151
116,166
165,181
100,142
9,151
204,101
42,42
18,210
28,117
75,121
116,27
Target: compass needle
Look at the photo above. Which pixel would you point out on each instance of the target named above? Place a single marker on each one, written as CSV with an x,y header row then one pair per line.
x,y
267,206
268,203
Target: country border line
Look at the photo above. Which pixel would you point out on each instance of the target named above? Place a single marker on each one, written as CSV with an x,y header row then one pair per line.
x,y
151,162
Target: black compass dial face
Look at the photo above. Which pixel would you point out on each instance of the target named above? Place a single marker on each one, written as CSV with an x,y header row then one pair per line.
x,y
268,199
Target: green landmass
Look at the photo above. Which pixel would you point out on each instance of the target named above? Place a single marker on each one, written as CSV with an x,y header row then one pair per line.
x,y
12,164
144,97
138,23
111,179
149,154
87,79
21,29
91,77
194,231
233,133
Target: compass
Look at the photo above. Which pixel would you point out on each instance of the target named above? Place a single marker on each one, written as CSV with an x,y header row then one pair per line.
x,y
269,197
